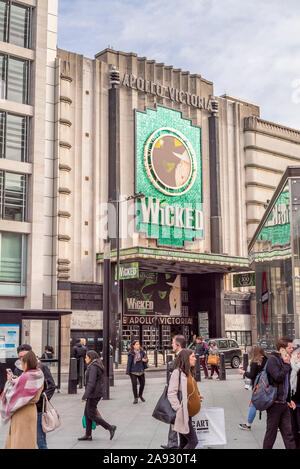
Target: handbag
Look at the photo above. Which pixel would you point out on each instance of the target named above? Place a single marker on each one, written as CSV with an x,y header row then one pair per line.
x,y
50,416
163,410
213,360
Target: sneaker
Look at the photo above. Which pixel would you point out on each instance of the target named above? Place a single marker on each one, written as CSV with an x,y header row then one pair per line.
x,y
244,426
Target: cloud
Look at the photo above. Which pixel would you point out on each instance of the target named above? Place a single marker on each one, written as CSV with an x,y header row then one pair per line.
x,y
248,49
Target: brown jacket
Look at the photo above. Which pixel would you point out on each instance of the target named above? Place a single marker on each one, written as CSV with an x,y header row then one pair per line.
x,y
181,424
22,432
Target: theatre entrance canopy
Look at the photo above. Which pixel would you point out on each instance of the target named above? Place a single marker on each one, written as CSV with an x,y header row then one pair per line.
x,y
175,261
274,254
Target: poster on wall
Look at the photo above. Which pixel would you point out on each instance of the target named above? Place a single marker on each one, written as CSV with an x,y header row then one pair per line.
x,y
153,293
203,324
9,340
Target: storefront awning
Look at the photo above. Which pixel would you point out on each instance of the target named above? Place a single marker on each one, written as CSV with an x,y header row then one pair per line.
x,y
162,260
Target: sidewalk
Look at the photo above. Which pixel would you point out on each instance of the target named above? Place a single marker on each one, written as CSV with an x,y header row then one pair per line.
x,y
136,427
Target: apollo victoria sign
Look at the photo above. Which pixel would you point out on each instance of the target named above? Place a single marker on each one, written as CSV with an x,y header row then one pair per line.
x,y
174,94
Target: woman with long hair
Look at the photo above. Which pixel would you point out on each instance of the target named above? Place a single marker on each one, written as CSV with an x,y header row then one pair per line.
x,y
136,364
93,393
18,404
184,398
257,364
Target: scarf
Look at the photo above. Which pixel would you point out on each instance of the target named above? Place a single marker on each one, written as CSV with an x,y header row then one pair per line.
x,y
137,357
19,392
295,364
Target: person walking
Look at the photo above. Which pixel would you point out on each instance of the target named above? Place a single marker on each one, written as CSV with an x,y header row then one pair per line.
x,y
48,388
188,404
201,351
94,378
18,404
257,364
295,394
178,344
278,415
136,364
213,350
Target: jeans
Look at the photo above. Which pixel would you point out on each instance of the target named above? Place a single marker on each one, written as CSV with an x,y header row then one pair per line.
x,y
41,436
252,414
203,364
213,369
134,380
90,413
189,440
278,416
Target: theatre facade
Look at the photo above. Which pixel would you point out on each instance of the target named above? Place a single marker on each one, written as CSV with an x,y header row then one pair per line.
x,y
178,179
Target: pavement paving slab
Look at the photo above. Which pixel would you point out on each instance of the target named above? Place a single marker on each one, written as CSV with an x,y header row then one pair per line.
x,y
137,429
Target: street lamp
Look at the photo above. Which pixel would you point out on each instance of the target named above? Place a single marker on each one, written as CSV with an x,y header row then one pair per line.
x,y
139,195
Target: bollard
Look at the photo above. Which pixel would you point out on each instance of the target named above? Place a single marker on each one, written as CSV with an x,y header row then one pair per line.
x,y
155,358
198,369
245,361
111,372
222,369
72,384
169,360
81,372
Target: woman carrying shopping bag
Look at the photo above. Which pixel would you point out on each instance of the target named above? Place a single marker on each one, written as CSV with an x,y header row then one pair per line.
x,y
213,359
184,398
93,393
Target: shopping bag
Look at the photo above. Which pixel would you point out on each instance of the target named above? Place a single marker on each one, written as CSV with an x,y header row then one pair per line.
x,y
84,423
213,360
209,425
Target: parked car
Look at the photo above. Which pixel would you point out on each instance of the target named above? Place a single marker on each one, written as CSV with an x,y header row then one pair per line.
x,y
230,348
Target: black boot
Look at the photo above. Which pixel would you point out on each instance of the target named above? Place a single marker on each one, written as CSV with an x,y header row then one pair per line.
x,y
85,438
112,431
142,399
135,400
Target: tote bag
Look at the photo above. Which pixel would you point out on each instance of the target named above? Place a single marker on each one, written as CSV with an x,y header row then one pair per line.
x,y
163,410
50,416
213,360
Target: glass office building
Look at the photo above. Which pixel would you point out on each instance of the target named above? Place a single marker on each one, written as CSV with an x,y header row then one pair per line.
x,y
275,256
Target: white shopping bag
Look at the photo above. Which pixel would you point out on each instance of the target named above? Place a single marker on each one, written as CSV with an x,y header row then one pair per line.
x,y
209,424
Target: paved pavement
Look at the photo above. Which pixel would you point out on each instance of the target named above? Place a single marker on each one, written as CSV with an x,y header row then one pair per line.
x,y
136,427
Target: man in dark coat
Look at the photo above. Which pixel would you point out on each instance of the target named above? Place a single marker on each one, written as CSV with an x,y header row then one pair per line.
x,y
79,352
178,343
278,415
202,352
49,389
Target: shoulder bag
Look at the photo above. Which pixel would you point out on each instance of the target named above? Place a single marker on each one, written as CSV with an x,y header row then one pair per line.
x,y
50,416
163,410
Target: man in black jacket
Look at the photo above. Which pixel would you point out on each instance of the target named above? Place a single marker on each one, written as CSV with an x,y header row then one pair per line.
x,y
178,343
49,388
278,415
79,352
202,352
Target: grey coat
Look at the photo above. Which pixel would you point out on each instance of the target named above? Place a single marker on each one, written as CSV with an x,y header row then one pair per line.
x,y
181,424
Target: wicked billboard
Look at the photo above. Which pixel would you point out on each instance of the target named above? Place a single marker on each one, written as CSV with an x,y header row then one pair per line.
x,y
153,293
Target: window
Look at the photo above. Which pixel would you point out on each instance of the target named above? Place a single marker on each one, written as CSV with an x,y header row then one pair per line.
x,y
222,344
14,137
241,337
15,21
13,254
14,79
12,196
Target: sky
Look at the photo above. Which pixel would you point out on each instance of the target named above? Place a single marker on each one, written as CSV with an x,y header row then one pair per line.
x,y
249,49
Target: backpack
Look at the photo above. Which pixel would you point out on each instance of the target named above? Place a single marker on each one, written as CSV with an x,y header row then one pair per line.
x,y
264,394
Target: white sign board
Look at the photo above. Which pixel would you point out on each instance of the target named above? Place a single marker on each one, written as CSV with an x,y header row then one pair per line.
x,y
209,424
9,340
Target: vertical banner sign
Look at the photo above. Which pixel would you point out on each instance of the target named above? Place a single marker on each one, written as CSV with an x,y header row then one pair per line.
x,y
203,324
169,174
